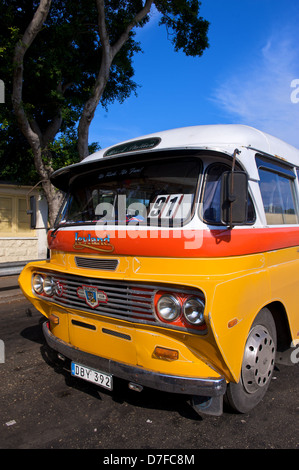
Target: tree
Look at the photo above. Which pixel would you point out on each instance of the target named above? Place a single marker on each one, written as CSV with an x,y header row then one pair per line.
x,y
81,53
28,126
62,53
181,17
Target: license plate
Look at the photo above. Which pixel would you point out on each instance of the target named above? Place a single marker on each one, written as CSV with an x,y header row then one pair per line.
x,y
92,375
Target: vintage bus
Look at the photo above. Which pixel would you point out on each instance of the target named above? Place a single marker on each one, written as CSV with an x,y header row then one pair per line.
x,y
174,265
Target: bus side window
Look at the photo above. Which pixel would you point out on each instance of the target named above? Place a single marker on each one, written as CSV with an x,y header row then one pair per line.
x,y
211,196
278,197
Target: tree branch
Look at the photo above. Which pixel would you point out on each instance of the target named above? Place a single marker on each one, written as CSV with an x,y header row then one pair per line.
x,y
108,54
104,36
125,36
52,129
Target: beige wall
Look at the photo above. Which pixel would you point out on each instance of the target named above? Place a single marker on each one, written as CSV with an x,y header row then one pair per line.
x,y
17,241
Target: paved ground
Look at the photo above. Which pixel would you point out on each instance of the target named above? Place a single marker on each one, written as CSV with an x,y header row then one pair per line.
x,y
43,407
9,289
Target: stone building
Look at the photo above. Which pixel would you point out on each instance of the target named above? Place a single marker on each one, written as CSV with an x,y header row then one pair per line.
x,y
18,242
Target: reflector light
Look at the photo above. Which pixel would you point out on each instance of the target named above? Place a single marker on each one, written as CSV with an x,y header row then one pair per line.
x,y
166,354
232,322
54,319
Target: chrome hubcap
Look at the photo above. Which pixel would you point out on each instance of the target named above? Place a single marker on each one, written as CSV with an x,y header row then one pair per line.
x,y
259,359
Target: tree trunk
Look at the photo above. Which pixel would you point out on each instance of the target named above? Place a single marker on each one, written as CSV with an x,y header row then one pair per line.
x,y
54,199
38,141
90,108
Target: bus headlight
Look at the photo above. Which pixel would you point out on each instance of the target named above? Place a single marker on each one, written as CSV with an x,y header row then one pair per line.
x,y
168,307
38,283
193,310
49,286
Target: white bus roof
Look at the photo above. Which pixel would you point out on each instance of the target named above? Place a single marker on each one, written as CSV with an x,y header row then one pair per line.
x,y
223,137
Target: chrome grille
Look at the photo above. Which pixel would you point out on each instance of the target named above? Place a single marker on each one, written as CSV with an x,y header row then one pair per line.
x,y
124,300
96,263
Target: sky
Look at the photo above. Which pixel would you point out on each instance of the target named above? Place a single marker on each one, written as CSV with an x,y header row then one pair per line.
x,y
248,75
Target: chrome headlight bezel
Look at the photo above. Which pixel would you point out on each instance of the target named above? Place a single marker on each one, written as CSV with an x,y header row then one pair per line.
x,y
43,284
38,283
168,307
49,286
193,311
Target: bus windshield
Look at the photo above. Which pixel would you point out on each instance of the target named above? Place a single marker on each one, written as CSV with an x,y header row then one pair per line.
x,y
157,192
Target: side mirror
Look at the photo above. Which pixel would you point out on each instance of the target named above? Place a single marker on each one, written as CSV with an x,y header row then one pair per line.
x,y
234,198
32,212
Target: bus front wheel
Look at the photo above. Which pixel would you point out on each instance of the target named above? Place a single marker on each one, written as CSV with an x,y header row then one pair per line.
x,y
257,366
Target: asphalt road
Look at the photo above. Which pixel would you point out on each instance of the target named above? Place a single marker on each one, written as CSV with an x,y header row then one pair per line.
x,y
43,407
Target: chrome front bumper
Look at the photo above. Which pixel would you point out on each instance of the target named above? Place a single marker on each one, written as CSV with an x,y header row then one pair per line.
x,y
207,387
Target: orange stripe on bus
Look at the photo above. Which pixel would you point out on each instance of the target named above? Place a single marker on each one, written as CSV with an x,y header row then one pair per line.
x,y
184,243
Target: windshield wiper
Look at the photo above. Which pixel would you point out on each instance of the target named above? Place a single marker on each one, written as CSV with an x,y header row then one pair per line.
x,y
55,229
72,222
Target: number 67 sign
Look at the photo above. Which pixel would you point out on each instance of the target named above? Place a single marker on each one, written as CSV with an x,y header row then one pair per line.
x,y
166,206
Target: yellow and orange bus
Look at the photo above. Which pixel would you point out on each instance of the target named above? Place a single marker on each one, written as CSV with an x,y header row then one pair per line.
x,y
174,265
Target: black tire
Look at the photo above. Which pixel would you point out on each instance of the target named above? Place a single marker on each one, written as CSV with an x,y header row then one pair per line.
x,y
257,366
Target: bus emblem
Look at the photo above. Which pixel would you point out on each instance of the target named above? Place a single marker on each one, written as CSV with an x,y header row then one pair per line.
x,y
93,243
92,295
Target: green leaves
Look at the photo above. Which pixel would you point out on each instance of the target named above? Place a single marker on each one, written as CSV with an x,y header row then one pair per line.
x,y
63,62
186,29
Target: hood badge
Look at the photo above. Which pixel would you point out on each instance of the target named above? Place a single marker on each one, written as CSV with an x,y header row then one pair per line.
x,y
92,295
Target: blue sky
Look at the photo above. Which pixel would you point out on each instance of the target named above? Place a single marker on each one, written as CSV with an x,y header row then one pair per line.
x,y
243,78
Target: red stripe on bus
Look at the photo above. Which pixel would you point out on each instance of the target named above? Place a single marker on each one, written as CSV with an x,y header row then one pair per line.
x,y
177,243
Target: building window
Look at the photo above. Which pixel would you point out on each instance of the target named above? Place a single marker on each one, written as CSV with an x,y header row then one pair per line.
x,y
14,220
6,214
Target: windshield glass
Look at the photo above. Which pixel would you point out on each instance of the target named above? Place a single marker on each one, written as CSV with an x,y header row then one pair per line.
x,y
143,193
